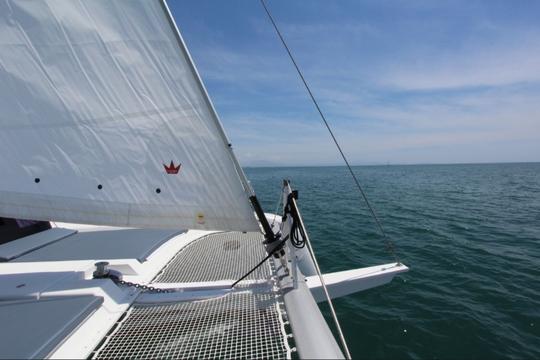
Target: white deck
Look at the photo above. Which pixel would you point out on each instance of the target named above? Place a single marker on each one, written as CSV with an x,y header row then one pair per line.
x,y
58,268
26,278
38,274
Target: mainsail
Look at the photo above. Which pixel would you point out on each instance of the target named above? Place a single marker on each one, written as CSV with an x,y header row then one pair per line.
x,y
104,120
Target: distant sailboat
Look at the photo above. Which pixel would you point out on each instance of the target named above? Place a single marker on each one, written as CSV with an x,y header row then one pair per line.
x,y
105,122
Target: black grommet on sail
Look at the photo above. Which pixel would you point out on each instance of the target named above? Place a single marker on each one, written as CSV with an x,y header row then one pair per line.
x,y
36,180
158,190
100,186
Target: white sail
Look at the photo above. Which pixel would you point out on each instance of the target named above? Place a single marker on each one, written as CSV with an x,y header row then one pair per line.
x,y
104,120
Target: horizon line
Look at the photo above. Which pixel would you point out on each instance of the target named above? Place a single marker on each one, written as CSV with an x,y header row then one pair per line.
x,y
394,164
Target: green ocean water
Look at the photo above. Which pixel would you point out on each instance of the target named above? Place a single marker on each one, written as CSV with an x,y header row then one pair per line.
x,y
470,235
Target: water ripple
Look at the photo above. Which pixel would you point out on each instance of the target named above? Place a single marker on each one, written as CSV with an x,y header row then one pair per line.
x,y
470,234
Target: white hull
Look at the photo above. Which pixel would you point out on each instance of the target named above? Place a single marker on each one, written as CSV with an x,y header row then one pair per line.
x,y
25,278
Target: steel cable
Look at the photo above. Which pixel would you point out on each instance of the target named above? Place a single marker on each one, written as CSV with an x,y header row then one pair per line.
x,y
388,242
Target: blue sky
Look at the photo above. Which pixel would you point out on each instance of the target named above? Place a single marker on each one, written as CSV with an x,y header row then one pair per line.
x,y
400,81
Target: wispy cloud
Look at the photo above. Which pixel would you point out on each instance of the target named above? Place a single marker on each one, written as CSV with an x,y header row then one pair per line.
x,y
406,83
515,59
227,65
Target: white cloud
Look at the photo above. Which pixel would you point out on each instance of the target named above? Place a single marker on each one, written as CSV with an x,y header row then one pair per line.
x,y
509,59
476,101
483,127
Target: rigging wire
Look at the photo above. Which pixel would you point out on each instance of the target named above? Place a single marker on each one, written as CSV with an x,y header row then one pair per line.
x,y
292,203
388,242
278,206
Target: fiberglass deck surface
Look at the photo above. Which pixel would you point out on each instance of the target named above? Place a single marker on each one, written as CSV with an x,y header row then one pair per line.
x,y
245,323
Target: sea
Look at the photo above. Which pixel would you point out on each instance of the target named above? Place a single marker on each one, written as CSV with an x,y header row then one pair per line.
x,y
469,233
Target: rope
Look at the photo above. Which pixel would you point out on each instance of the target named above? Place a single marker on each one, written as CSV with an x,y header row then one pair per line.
x,y
323,284
388,242
276,249
297,233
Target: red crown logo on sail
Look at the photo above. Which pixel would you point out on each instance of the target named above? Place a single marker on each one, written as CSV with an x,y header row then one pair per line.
x,y
171,169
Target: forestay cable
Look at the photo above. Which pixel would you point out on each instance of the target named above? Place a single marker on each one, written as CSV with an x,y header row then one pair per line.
x,y
298,218
388,242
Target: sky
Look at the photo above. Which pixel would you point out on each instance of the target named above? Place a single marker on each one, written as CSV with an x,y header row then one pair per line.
x,y
400,82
